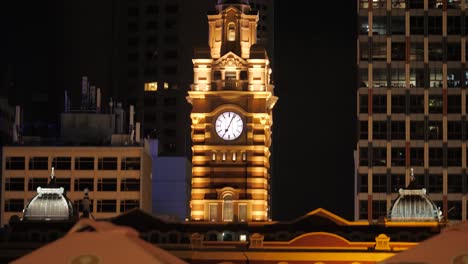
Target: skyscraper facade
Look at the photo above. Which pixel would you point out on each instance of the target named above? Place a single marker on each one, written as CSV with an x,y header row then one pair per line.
x,y
411,104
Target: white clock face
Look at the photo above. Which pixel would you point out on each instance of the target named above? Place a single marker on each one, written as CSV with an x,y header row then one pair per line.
x,y
229,125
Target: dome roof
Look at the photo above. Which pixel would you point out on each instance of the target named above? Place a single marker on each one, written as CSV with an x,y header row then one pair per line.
x,y
49,204
413,204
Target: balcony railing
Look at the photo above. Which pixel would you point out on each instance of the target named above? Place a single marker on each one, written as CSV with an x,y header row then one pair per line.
x,y
232,85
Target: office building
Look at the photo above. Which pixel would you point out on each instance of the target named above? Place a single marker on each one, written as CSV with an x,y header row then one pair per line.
x,y
117,177
100,150
411,104
167,117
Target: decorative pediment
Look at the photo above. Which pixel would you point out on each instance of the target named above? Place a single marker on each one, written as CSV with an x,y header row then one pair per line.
x,y
231,9
230,59
244,10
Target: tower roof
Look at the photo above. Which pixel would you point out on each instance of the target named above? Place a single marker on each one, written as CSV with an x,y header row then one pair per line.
x,y
242,5
235,2
49,204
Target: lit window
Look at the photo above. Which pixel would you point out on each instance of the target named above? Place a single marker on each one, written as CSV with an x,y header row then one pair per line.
x,y
151,87
242,212
224,156
244,156
234,156
213,212
231,36
213,156
166,85
228,208
243,237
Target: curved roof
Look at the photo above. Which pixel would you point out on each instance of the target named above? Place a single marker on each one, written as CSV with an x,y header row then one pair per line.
x,y
49,204
414,205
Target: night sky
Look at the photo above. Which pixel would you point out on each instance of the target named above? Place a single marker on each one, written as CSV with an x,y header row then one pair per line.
x,y
314,130
314,119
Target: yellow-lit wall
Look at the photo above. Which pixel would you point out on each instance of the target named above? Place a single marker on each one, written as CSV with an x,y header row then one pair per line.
x,y
240,168
144,195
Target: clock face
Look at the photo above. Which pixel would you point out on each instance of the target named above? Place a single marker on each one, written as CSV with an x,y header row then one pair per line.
x,y
229,125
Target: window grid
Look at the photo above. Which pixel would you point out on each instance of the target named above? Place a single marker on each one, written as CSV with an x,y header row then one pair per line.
x,y
106,206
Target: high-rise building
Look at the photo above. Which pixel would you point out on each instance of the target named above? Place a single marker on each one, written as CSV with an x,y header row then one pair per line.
x,y
232,103
166,116
412,104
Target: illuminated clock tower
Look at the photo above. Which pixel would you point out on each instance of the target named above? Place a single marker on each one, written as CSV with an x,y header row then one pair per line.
x,y
232,101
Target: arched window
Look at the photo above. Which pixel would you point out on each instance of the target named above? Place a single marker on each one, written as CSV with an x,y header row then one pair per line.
x,y
228,212
231,34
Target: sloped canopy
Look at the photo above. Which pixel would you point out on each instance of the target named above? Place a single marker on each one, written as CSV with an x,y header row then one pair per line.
x,y
91,241
450,246
141,221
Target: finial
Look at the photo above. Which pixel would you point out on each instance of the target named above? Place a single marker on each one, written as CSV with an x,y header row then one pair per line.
x,y
52,178
86,203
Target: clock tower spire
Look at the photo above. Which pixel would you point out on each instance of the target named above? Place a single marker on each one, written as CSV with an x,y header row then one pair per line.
x,y
232,103
232,29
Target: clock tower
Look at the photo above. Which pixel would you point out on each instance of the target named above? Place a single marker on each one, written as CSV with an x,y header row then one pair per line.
x,y
232,101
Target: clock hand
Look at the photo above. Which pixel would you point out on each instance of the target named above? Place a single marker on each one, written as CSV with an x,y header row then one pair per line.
x,y
229,125
230,122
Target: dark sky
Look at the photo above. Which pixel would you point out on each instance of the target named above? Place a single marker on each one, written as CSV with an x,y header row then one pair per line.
x,y
314,120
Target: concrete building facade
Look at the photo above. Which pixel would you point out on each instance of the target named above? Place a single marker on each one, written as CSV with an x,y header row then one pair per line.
x,y
412,104
117,177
